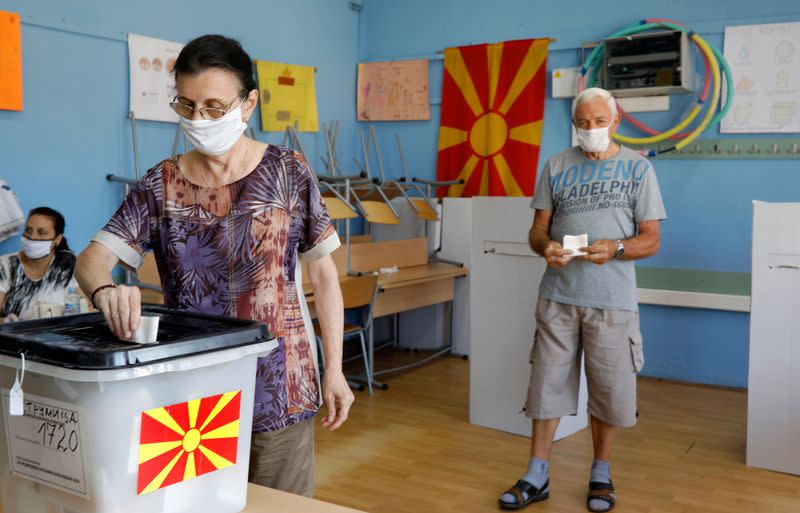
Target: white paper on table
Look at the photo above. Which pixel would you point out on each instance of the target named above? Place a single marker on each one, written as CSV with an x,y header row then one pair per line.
x,y
575,242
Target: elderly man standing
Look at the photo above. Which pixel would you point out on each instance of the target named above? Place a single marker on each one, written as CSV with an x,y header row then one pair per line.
x,y
587,300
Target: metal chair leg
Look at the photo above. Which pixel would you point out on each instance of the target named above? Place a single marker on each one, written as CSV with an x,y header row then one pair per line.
x,y
367,370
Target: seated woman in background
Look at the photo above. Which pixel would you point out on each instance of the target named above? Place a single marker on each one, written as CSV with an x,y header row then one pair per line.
x,y
42,273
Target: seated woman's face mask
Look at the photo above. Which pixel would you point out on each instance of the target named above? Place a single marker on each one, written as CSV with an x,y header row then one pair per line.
x,y
36,249
214,137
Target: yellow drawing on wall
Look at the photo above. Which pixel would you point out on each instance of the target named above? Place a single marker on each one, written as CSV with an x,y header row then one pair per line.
x,y
288,97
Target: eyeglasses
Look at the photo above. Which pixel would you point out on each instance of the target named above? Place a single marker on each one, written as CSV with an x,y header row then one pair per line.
x,y
187,111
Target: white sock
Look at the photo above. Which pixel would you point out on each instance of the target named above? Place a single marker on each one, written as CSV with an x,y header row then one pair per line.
x,y
601,473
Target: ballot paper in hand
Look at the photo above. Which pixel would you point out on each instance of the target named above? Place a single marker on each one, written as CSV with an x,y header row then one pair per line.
x,y
575,242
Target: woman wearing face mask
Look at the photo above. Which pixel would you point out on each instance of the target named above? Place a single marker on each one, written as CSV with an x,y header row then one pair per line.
x,y
227,223
41,272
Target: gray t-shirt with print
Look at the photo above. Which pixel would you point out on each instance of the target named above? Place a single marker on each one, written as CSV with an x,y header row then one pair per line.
x,y
605,199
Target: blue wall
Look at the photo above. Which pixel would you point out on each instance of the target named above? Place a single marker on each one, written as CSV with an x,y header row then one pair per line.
x,y
708,202
74,130
702,346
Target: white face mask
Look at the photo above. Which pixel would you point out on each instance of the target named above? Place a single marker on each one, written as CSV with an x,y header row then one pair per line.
x,y
215,136
36,249
595,140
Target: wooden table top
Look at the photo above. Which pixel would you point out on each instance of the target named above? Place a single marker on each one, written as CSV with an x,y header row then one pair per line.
x,y
267,500
407,276
420,274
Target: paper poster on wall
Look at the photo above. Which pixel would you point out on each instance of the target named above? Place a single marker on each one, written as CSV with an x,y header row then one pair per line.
x,y
10,61
394,90
288,96
765,60
45,443
151,63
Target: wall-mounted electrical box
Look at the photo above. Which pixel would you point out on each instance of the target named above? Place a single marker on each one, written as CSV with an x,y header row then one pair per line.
x,y
655,63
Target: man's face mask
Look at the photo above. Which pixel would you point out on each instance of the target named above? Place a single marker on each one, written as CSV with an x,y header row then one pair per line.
x,y
594,140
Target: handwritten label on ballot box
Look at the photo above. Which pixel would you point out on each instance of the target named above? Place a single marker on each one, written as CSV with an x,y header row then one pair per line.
x,y
44,444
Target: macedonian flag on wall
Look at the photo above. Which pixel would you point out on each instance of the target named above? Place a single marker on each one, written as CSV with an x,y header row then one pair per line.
x,y
186,440
491,118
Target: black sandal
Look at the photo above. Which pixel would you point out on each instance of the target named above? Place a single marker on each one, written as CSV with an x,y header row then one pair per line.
x,y
522,489
601,492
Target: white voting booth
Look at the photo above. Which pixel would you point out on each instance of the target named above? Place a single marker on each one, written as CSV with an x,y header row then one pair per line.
x,y
456,245
773,404
498,312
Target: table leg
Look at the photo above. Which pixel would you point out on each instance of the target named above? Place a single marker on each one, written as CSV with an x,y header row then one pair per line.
x,y
441,352
371,350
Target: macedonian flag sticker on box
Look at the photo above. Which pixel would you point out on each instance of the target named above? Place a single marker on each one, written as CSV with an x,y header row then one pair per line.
x,y
186,440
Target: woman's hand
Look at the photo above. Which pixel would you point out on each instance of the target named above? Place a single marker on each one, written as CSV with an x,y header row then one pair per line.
x,y
10,318
338,398
122,308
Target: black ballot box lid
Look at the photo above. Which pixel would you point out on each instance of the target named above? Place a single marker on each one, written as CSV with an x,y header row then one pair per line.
x,y
85,341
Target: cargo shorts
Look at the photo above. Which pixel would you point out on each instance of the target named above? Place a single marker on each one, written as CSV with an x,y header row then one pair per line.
x,y
609,343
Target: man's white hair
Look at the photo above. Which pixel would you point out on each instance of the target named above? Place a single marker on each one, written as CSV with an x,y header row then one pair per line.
x,y
594,93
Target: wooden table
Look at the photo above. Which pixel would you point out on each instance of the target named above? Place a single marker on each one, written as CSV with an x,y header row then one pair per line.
x,y
266,500
409,288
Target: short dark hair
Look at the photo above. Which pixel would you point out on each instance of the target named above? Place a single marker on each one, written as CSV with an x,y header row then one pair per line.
x,y
215,51
58,223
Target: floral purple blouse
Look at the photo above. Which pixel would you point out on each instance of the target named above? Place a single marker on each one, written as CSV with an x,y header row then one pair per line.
x,y
234,251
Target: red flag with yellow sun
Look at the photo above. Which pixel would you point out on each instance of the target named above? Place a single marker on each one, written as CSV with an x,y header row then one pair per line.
x,y
186,440
491,120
